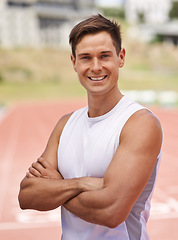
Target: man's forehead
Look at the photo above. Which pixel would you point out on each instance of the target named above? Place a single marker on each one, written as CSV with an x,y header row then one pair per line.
x,y
101,42
95,35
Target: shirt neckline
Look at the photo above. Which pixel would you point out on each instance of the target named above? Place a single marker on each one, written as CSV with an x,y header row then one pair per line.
x,y
106,115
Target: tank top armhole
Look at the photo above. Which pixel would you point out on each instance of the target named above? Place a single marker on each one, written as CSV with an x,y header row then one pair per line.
x,y
140,107
71,117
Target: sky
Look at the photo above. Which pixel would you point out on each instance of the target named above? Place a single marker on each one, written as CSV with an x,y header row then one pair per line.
x,y
109,2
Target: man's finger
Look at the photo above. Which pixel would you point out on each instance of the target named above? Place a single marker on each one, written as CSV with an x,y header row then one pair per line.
x,y
38,167
29,175
44,163
34,172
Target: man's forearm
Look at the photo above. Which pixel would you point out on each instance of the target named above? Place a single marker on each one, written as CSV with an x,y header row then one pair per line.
x,y
44,188
47,194
91,206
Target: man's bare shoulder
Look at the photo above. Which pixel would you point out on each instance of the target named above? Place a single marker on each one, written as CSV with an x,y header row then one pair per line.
x,y
52,145
147,119
143,122
63,120
61,124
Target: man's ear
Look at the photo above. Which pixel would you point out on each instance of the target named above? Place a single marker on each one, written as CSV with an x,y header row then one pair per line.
x,y
73,61
122,57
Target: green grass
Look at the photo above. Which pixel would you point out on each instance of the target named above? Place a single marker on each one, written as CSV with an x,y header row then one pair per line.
x,y
142,80
11,92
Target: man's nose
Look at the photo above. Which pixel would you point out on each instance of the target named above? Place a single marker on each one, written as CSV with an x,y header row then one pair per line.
x,y
96,65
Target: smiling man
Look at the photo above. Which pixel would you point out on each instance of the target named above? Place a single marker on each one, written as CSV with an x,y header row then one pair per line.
x,y
101,161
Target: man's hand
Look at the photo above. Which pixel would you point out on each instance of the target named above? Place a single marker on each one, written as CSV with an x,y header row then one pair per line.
x,y
43,169
91,183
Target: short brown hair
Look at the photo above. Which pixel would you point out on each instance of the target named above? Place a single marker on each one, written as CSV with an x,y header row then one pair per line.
x,y
94,24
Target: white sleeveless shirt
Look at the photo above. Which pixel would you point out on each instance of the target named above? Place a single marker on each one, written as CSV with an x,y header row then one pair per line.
x,y
86,148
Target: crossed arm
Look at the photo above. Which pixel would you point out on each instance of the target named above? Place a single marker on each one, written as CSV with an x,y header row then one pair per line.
x,y
97,200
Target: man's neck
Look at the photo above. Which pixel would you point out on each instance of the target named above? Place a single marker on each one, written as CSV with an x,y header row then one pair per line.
x,y
100,105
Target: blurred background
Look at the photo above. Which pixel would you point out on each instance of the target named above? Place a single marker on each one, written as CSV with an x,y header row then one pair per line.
x,y
38,85
34,50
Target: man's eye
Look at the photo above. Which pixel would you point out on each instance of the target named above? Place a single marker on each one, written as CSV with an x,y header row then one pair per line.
x,y
85,57
104,56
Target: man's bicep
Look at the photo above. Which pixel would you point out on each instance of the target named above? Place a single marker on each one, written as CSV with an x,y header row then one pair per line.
x,y
134,160
50,152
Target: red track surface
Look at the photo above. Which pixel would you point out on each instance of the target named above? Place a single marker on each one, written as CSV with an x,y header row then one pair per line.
x,y
24,131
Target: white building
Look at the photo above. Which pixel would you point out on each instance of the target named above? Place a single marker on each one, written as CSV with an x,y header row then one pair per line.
x,y
152,11
40,22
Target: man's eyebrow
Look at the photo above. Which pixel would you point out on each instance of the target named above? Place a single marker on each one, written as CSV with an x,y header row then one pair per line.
x,y
106,51
83,54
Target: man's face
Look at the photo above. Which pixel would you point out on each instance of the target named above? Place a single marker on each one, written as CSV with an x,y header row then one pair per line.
x,y
97,63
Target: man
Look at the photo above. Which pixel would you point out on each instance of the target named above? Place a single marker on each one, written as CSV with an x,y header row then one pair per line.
x,y
100,163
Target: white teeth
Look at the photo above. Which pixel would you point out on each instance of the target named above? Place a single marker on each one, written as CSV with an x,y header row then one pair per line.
x,y
97,78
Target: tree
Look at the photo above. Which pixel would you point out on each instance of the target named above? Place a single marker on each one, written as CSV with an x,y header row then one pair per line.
x,y
174,10
114,12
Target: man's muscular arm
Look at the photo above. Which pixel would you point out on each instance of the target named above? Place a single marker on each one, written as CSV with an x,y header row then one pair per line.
x,y
49,190
37,191
44,188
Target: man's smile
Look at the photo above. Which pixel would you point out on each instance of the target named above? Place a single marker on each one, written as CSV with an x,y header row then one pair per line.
x,y
98,78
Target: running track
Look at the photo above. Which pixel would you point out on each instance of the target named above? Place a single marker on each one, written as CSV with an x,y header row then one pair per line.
x,y
24,131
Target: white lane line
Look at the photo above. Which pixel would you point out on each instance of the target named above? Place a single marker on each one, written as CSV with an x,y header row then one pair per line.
x,y
173,203
30,219
31,216
167,209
